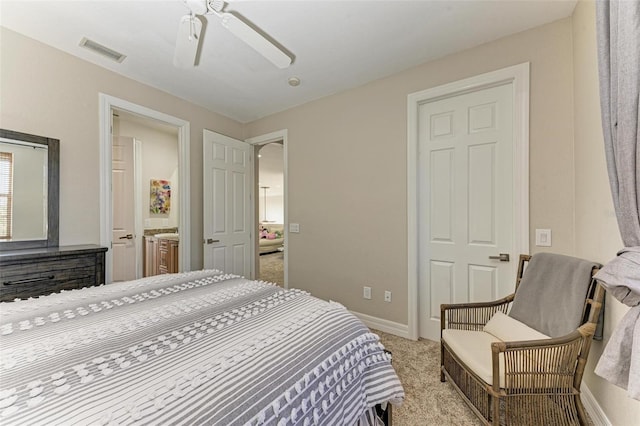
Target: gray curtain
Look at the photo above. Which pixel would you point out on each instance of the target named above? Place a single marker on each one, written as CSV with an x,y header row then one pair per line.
x,y
618,29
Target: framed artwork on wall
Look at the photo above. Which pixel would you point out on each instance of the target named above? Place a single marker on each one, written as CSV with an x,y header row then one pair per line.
x,y
160,197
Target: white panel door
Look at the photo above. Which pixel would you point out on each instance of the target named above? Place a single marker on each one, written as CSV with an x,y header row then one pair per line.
x,y
226,210
123,241
466,196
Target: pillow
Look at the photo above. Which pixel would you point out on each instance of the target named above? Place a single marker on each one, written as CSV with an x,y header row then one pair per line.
x,y
509,329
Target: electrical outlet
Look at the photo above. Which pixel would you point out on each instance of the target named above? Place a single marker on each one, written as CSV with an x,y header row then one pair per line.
x,y
387,296
366,293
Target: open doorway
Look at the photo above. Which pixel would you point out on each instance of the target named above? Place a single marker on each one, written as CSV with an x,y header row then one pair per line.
x,y
270,199
145,196
109,104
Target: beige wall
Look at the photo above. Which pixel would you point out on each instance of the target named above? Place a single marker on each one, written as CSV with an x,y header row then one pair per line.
x,y
47,92
347,168
596,229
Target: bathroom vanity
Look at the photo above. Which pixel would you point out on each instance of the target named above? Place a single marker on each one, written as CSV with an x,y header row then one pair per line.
x,y
161,254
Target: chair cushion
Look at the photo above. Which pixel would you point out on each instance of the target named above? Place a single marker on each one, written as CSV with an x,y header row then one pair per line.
x,y
473,348
510,329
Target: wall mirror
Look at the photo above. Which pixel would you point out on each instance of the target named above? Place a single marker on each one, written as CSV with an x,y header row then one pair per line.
x,y
29,190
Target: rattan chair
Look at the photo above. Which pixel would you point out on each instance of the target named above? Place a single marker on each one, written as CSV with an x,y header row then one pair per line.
x,y
540,384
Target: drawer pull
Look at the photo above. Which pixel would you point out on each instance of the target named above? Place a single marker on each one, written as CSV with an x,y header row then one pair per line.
x,y
29,280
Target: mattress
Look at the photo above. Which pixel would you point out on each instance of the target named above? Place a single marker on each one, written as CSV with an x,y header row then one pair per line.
x,y
193,348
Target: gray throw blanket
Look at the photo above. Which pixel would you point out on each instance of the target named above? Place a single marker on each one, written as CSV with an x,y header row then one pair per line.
x,y
620,361
551,294
621,276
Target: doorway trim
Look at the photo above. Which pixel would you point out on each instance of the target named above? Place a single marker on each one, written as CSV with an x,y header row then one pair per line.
x,y
277,136
107,104
137,205
518,75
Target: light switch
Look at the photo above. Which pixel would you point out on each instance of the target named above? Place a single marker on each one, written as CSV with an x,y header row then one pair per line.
x,y
543,237
294,227
366,292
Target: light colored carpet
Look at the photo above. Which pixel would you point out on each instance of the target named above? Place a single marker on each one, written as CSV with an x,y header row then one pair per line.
x,y
427,400
272,268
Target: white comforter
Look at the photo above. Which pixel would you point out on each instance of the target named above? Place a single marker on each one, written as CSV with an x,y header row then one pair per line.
x,y
194,348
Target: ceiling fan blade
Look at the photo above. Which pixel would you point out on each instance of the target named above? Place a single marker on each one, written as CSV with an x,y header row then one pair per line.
x,y
187,42
244,32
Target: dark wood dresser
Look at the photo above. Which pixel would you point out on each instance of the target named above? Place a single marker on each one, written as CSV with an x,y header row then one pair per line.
x,y
34,272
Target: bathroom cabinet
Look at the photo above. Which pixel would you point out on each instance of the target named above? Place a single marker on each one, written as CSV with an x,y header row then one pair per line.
x,y
160,255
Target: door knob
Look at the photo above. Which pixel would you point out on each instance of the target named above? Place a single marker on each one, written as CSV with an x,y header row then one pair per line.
x,y
211,241
127,237
504,257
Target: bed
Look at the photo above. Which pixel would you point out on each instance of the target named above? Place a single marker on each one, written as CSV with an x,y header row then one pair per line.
x,y
193,348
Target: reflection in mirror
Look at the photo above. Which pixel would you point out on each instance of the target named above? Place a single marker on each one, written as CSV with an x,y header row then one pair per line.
x,y
23,190
29,190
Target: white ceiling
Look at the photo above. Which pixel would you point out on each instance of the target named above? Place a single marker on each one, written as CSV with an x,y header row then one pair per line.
x,y
336,44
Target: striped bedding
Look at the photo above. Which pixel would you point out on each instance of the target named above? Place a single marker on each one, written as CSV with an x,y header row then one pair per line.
x,y
193,348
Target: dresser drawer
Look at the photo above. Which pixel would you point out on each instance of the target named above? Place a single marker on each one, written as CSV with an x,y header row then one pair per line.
x,y
33,273
40,283
42,268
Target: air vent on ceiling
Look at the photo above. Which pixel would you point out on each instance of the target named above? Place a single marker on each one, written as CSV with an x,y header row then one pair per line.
x,y
102,50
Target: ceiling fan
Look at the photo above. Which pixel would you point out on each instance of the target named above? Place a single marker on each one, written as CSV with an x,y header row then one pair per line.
x,y
188,41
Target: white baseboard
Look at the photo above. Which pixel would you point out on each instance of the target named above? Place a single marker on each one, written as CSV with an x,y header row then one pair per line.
x,y
381,324
592,407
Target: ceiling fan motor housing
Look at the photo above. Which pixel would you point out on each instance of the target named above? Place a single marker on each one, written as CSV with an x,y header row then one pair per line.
x,y
202,7
197,7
